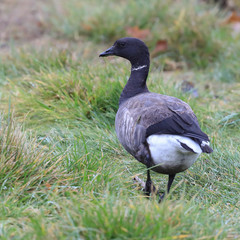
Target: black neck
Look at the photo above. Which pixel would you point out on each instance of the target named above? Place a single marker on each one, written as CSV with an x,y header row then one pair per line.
x,y
137,81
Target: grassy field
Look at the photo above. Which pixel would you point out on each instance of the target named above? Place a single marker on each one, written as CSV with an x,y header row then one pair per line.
x,y
63,173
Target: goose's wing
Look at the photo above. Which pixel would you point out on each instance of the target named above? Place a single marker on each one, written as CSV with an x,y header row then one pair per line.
x,y
151,113
181,122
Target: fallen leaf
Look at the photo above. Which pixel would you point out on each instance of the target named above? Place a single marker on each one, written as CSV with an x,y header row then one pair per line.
x,y
171,65
48,186
137,32
87,27
233,18
161,46
234,22
40,24
188,87
181,236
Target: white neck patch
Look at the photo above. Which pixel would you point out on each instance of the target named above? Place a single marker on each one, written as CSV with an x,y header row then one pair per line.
x,y
138,68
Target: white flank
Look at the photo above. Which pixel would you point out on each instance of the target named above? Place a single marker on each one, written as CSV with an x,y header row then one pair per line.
x,y
169,155
138,68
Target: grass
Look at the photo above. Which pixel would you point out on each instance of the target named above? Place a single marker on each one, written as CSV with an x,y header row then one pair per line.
x,y
197,42
63,173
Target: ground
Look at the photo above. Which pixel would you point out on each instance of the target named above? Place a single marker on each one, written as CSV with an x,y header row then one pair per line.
x,y
63,173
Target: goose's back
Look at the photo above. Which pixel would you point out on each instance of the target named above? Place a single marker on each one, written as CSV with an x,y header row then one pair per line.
x,y
138,113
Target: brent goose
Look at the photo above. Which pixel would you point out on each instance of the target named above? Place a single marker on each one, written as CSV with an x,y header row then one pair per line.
x,y
160,131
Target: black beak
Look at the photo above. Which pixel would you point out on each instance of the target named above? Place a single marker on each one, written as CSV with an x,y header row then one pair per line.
x,y
108,52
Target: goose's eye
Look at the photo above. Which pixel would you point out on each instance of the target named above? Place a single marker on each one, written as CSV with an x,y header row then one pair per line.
x,y
121,44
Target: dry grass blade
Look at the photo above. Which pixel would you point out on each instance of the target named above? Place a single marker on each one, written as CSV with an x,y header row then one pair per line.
x,y
24,162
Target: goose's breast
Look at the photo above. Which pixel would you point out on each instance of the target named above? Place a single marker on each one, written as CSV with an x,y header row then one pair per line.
x,y
125,128
168,154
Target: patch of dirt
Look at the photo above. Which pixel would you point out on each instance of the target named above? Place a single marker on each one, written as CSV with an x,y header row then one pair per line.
x,y
21,21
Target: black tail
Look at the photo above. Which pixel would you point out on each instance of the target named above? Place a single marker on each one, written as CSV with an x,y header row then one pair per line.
x,y
205,148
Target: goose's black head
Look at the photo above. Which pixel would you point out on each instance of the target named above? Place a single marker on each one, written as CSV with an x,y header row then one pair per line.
x,y
132,49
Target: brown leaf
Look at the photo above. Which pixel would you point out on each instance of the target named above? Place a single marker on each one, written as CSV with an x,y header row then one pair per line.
x,y
233,18
161,46
137,32
48,186
171,65
87,27
188,87
181,236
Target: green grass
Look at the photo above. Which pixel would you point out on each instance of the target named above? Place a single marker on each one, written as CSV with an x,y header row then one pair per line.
x,y
63,173
190,28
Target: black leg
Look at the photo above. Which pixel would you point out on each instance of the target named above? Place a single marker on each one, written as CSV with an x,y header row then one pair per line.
x,y
149,187
170,181
148,184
